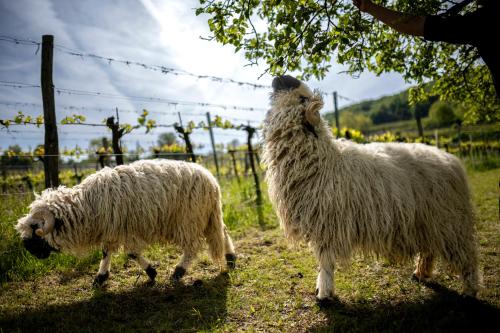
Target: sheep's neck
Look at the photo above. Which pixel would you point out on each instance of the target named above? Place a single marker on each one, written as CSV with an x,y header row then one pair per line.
x,y
297,157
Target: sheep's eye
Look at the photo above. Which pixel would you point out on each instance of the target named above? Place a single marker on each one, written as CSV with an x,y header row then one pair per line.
x,y
303,99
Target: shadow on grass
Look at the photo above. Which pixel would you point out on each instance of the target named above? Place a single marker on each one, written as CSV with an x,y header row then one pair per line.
x,y
178,308
445,311
17,264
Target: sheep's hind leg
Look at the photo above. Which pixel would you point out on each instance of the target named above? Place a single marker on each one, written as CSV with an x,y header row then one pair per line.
x,y
145,265
325,286
104,266
425,265
187,259
467,265
229,249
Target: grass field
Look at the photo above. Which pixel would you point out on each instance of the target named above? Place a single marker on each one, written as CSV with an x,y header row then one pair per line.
x,y
272,289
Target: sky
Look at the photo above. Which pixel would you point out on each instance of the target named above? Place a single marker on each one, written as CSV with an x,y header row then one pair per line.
x,y
152,32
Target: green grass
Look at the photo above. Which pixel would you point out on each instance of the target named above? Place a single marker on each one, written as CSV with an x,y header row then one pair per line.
x,y
239,205
480,163
272,289
15,263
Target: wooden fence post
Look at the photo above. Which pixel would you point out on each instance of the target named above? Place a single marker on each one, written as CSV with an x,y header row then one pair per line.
x,y
78,177
116,135
247,164
4,173
213,144
251,131
187,141
336,109
51,143
231,152
102,159
185,136
418,119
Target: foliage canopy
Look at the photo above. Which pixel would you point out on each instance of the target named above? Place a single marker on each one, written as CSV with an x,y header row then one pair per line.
x,y
442,114
305,36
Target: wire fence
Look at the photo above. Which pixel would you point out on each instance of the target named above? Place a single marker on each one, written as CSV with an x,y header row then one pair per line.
x,y
107,95
102,94
232,163
27,175
157,68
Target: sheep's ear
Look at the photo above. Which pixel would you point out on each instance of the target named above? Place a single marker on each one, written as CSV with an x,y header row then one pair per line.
x,y
48,222
311,113
304,90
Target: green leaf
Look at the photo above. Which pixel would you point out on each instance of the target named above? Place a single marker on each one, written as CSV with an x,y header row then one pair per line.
x,y
305,36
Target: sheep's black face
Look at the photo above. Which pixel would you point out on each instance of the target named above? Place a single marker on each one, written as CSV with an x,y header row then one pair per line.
x,y
285,82
37,246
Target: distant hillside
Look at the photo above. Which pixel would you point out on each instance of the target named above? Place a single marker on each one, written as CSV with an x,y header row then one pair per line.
x,y
383,110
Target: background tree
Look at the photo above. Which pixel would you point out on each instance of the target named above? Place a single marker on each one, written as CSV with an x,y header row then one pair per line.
x,y
442,114
305,36
100,146
234,143
15,157
167,138
357,121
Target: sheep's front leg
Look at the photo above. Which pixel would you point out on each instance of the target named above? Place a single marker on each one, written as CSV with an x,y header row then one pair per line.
x,y
425,264
325,286
145,265
187,259
104,266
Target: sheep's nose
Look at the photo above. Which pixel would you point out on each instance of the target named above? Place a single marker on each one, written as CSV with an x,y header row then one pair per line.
x,y
285,82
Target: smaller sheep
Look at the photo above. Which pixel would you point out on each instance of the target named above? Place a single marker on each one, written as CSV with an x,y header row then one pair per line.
x,y
132,206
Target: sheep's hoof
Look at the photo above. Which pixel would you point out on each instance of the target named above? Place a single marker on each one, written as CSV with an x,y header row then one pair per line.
x,y
326,301
231,260
178,273
469,294
151,272
420,278
100,279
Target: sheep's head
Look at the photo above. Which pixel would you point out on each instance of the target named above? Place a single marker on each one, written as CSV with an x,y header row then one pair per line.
x,y
34,228
293,101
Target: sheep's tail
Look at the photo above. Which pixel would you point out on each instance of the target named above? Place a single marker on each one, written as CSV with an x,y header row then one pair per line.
x,y
215,235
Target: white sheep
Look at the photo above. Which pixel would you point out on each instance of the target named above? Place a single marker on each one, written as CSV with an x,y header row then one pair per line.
x,y
149,201
397,200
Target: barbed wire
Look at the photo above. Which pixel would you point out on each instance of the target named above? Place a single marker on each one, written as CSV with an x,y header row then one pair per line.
x,y
113,110
157,68
340,96
154,99
60,124
87,153
79,92
143,98
19,41
131,139
40,131
18,84
175,124
347,99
